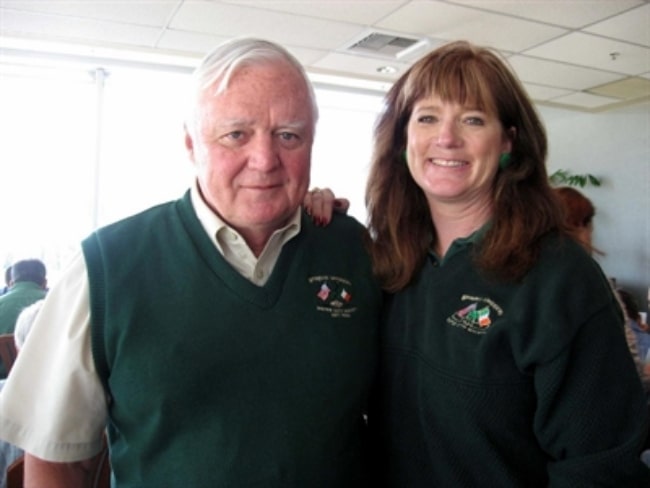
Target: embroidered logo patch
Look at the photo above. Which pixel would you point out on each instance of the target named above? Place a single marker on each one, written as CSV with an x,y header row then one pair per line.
x,y
333,295
476,315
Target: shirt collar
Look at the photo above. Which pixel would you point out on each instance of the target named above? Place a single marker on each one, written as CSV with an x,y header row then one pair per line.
x,y
213,224
461,243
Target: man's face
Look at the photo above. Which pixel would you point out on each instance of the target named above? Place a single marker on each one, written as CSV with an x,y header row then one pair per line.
x,y
251,148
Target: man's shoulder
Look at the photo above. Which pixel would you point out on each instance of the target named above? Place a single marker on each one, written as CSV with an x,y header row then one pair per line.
x,y
141,223
19,290
150,213
343,235
338,223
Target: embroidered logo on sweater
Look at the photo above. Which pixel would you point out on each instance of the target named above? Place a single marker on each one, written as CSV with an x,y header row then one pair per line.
x,y
476,315
333,295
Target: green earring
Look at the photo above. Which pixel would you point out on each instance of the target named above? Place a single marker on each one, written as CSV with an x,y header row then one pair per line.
x,y
405,157
504,160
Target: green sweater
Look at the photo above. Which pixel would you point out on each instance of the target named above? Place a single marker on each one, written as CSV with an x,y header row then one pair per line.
x,y
216,382
21,295
526,385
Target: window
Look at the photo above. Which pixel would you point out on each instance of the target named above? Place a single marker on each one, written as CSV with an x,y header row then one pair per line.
x,y
80,148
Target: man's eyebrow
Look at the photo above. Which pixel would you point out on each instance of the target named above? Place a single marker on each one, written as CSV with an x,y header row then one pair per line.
x,y
234,122
294,124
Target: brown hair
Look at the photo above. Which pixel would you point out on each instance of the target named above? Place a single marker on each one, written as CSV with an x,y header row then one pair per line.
x,y
578,214
525,208
578,209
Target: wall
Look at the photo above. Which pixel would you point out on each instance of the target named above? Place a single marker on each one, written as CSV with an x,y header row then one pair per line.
x,y
615,146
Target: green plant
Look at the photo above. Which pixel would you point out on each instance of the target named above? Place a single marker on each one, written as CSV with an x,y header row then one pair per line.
x,y
564,177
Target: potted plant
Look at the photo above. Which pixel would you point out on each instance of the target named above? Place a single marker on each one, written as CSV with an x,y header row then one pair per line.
x,y
565,177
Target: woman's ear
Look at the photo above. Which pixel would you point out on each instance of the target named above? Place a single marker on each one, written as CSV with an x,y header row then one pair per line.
x,y
510,136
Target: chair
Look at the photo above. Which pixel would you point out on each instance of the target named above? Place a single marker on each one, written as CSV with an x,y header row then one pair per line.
x,y
100,476
7,351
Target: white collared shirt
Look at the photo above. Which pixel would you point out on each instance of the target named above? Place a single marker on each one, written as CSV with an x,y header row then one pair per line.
x,y
233,247
53,405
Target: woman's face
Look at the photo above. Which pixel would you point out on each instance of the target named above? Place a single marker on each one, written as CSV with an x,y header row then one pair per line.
x,y
453,151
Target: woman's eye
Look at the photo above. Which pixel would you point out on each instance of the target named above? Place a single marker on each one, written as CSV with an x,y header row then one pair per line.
x,y
474,121
426,119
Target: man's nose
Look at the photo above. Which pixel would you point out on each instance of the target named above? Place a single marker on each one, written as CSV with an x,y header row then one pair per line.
x,y
263,153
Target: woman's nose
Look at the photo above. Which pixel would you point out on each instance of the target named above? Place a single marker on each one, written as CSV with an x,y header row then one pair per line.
x,y
448,134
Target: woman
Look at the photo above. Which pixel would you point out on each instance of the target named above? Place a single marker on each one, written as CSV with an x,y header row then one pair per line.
x,y
502,345
578,214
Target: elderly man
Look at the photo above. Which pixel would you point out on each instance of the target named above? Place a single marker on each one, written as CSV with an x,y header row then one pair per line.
x,y
228,340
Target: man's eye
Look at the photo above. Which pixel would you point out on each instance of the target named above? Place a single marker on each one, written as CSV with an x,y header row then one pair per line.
x,y
288,136
290,140
237,134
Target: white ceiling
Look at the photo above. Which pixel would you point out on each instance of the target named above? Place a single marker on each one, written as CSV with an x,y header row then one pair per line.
x,y
587,55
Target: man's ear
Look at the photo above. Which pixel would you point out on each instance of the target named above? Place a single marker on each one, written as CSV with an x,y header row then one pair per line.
x,y
189,142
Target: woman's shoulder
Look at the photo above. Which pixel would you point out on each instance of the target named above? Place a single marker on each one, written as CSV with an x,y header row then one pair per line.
x,y
562,252
565,271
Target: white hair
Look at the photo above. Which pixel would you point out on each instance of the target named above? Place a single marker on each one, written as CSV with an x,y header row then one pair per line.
x,y
227,58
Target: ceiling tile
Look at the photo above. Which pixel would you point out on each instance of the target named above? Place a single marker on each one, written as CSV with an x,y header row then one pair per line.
x,y
360,65
632,26
233,21
560,75
190,42
445,21
71,28
356,11
551,61
199,45
541,93
307,56
628,89
573,14
140,12
585,100
596,52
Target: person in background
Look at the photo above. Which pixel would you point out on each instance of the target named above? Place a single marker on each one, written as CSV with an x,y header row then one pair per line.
x,y
502,343
640,331
9,452
5,289
579,212
254,367
28,284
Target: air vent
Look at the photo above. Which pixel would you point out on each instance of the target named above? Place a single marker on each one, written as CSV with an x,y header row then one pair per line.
x,y
383,44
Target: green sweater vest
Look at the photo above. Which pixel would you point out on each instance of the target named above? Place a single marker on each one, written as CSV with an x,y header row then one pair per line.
x,y
216,382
